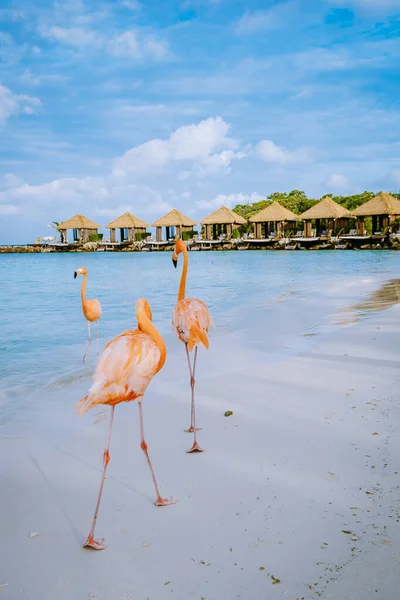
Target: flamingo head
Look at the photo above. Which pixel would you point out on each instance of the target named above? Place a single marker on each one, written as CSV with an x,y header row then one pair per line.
x,y
142,306
81,271
180,246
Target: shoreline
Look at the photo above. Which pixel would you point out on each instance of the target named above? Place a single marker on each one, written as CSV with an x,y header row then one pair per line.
x,y
297,246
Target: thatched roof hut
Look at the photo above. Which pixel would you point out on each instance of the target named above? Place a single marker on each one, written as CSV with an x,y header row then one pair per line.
x,y
383,209
128,222
327,209
382,204
81,226
173,219
222,220
273,213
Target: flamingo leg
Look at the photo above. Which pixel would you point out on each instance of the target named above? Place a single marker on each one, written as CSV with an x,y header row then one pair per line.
x,y
88,342
97,337
160,501
90,542
195,447
192,382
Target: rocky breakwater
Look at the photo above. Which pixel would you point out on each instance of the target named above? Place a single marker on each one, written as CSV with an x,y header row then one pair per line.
x,y
20,249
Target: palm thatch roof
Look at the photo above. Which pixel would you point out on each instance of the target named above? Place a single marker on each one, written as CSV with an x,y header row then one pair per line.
x,y
78,222
382,204
127,221
174,219
326,209
272,213
223,216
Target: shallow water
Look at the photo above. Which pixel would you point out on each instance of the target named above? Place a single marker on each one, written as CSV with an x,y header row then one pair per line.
x,y
273,302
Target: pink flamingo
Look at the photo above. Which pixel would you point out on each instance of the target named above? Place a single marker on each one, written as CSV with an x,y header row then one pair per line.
x,y
91,310
191,320
125,368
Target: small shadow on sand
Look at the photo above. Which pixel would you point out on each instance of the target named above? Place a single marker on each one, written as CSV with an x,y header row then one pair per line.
x,y
381,299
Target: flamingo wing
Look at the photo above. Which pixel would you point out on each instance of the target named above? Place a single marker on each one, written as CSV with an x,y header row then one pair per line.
x,y
191,320
124,370
92,310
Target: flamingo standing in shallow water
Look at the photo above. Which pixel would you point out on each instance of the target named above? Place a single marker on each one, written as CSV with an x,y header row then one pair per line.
x,y
191,320
125,368
91,310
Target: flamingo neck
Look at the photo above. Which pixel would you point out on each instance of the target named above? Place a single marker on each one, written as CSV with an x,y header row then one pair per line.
x,y
182,286
146,325
83,289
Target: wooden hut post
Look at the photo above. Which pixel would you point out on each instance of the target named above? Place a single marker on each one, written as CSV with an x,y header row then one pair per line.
x,y
158,234
307,228
360,228
385,222
207,232
229,231
113,235
255,230
179,232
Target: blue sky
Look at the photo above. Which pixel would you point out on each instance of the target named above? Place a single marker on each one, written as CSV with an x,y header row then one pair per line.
x,y
108,106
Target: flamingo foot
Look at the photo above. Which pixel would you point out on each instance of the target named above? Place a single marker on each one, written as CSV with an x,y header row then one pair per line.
x,y
91,543
164,501
192,429
195,448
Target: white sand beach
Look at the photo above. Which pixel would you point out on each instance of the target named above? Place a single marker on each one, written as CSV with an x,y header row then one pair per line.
x,y
296,496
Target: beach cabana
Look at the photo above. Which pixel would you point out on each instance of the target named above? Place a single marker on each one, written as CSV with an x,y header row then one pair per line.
x,y
222,221
175,224
274,215
128,226
81,226
383,209
334,215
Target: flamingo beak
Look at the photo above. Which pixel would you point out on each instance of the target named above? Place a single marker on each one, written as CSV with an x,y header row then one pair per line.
x,y
175,260
75,274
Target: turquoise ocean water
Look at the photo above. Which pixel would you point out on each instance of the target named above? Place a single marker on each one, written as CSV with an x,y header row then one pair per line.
x,y
274,302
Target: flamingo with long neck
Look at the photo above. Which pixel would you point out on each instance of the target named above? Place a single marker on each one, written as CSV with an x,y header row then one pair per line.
x,y
191,321
125,369
91,310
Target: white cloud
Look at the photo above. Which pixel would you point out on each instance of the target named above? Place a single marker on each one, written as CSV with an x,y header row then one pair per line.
x,y
8,209
12,104
71,36
254,21
338,182
206,146
132,5
132,44
29,78
230,200
377,6
9,180
274,154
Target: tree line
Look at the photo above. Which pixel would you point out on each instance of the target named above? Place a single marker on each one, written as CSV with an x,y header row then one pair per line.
x,y
298,202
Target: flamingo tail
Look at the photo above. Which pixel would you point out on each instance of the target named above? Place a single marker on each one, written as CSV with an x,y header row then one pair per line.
x,y
197,336
83,405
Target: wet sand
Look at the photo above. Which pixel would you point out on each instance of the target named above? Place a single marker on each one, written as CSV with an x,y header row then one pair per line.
x,y
296,496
